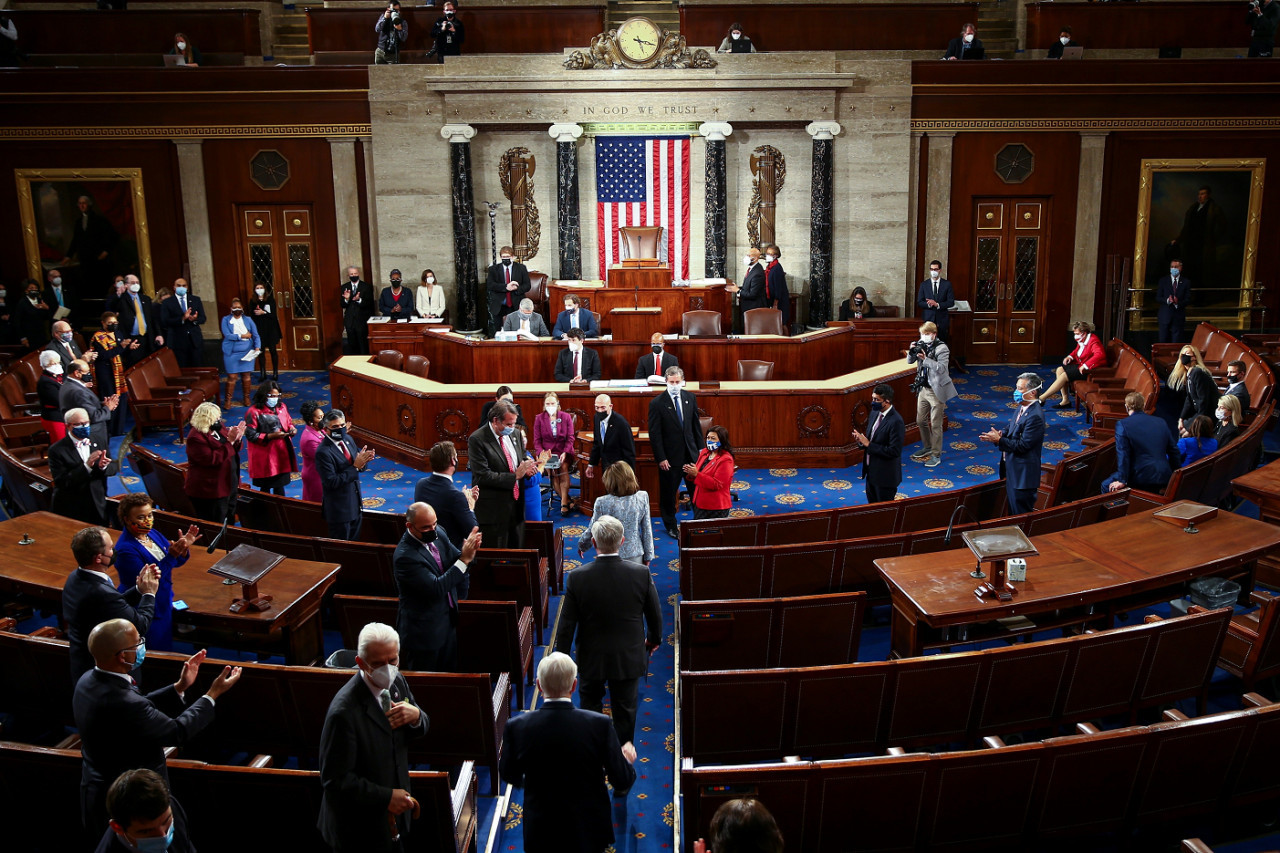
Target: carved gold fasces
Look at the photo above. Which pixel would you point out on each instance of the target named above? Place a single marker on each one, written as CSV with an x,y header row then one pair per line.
x,y
516,170
770,170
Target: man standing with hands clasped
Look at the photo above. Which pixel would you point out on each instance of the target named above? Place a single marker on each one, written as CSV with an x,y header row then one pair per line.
x,y
675,434
936,299
340,465
882,447
507,283
1021,444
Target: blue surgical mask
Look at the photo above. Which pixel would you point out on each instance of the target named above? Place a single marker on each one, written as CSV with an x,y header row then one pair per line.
x,y
272,402
713,445
1017,396
142,654
508,430
180,291
673,390
154,845
1173,271
65,337
81,431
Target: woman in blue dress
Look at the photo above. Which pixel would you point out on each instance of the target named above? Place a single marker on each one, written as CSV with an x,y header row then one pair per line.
x,y
239,337
140,546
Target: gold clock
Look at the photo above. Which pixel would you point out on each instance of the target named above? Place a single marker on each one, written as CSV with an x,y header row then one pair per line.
x,y
639,39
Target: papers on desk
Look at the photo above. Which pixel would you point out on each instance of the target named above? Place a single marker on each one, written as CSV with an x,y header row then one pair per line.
x,y
707,282
252,355
379,319
618,383
563,282
424,319
518,335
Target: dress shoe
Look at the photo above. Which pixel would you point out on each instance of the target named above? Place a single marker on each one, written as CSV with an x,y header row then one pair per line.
x,y
673,532
920,456
1062,405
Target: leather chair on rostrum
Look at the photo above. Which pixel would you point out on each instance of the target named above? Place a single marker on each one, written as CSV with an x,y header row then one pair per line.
x,y
641,241
762,321
418,365
700,324
750,370
391,358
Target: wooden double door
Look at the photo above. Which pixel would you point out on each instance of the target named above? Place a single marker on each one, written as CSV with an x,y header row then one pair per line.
x,y
277,251
1010,252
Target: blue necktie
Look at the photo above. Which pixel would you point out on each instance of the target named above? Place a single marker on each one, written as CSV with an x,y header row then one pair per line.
x,y
679,414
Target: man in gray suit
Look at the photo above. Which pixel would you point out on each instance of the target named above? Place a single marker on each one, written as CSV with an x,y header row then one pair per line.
x,y
76,394
933,389
526,320
496,459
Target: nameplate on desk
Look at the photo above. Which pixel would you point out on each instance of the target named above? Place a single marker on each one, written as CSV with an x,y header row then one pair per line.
x,y
379,320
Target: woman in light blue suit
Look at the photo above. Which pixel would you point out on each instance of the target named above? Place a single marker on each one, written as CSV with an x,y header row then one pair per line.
x,y
239,336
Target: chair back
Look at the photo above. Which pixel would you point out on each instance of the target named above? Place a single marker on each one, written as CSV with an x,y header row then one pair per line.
x,y
641,241
762,321
700,324
750,370
418,365
391,358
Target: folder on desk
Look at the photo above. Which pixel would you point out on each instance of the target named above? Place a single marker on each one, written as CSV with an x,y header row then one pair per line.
x,y
246,564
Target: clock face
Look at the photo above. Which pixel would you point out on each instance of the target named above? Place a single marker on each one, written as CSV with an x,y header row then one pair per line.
x,y
638,39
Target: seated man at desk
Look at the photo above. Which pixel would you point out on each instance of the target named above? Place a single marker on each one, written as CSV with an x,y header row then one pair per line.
x,y
656,364
576,363
574,316
526,321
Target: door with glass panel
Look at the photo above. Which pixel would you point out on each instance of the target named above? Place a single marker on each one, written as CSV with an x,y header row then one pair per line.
x,y
1010,248
277,252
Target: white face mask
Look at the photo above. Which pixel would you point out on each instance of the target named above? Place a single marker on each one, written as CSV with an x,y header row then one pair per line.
x,y
551,408
135,288
736,36
1065,41
431,279
770,258
259,290
383,676
1221,414
575,348
968,39
56,370
934,274
673,388
928,339
182,45
748,260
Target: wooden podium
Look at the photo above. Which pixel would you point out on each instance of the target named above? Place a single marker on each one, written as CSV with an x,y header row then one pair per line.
x,y
630,277
634,324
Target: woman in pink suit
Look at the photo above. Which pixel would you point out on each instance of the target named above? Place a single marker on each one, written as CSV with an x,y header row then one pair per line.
x,y
553,431
1087,355
312,435
270,435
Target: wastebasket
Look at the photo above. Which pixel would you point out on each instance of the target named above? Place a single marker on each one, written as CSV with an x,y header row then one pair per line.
x,y
1214,592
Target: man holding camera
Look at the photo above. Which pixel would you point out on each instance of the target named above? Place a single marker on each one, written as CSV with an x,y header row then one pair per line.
x,y
393,31
933,388
448,33
1262,19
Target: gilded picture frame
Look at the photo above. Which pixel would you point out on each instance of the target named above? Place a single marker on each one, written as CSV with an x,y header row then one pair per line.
x,y
1215,235
47,206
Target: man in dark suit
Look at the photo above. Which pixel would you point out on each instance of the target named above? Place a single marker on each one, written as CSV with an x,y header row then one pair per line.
x,y
967,45
496,459
1059,47
142,812
658,363
1235,383
90,597
507,282
75,393
340,466
455,508
123,729
560,755
93,239
882,447
56,294
504,392
358,305
1146,452
751,291
936,298
675,435
574,316
364,750
576,363
135,310
526,320
1173,295
182,316
80,467
613,439
1021,443
65,346
776,293
612,604
431,577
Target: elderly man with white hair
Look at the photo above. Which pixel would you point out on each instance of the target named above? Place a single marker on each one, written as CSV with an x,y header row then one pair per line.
x,y
612,605
560,755
79,465
364,750
526,321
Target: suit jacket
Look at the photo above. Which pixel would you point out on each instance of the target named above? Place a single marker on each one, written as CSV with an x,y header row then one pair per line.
x,y
1021,443
612,605
672,440
1240,391
63,355
937,371
945,297
76,395
427,617
452,512
111,843
777,295
87,601
713,481
387,301
1146,452
586,322
357,313
178,331
591,369
341,481
617,444
751,292
957,48
1182,292
496,285
79,492
29,321
489,471
537,326
644,367
882,458
560,755
362,759
1201,395
126,314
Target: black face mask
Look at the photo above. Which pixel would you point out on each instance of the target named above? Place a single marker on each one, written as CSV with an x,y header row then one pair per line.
x,y
338,434
657,349
1185,359
395,283
353,278
111,327
506,262
428,536
216,426
1233,377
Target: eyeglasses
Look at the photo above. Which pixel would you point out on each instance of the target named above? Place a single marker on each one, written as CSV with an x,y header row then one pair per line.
x,y
134,647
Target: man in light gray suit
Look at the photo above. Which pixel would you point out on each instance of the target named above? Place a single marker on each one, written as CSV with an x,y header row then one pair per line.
x,y
933,388
526,320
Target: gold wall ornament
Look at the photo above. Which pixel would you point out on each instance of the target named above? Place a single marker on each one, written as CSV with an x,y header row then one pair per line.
x,y
516,170
770,170
639,43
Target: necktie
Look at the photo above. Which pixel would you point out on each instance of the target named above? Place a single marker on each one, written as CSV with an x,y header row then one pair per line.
x,y
345,451
675,399
384,698
508,274
604,426
577,364
139,319
875,426
511,466
435,555
767,293
657,365
182,300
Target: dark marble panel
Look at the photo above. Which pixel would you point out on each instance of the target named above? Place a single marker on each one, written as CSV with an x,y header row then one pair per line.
x,y
472,311
820,218
569,221
717,210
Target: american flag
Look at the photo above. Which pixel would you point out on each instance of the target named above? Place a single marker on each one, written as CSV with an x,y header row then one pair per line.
x,y
643,181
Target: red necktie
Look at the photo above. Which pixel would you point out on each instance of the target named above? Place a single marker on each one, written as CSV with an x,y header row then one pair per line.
x,y
508,273
345,451
657,365
767,293
511,466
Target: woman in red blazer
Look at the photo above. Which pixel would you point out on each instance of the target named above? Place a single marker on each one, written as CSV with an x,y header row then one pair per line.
x,y
213,462
712,476
1087,355
553,430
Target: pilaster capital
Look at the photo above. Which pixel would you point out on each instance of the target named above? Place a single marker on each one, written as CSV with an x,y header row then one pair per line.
x,y
823,129
457,133
187,144
342,140
565,132
715,131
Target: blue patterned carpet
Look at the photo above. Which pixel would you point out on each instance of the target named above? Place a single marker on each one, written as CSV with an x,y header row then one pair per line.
x,y
645,819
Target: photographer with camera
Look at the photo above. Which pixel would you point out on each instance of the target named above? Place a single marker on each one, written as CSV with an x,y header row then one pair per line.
x,y
1262,19
448,33
393,31
933,388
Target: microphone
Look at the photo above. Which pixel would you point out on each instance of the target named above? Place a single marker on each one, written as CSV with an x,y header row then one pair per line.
x,y
946,540
231,512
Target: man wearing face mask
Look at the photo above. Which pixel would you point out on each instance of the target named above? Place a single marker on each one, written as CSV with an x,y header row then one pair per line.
x,y
431,578
967,45
1064,41
134,312
526,321
934,388
574,316
144,817
76,394
675,434
55,295
751,291
1146,451
123,729
79,467
358,306
882,447
397,301
506,283
1173,295
448,35
576,363
496,459
613,439
364,750
90,595
182,315
936,299
1235,383
31,315
659,362
64,344
340,465
1021,444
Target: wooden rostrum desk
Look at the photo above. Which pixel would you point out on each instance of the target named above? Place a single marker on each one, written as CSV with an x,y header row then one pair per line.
x,y
672,302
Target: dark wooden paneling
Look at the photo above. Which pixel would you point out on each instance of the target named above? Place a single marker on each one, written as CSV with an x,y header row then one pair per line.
x,y
1130,26
854,26
488,29
139,31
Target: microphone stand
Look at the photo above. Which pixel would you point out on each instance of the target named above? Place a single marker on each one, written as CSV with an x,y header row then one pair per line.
x,y
946,539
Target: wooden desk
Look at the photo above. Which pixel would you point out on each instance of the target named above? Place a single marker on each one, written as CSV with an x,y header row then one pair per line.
x,y
634,324
638,278
291,626
673,301
1262,486
1112,566
646,472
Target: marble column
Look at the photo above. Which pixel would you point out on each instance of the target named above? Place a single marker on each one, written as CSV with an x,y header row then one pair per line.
x,y
937,215
346,200
195,214
473,310
821,221
717,202
374,272
914,227
1084,268
568,217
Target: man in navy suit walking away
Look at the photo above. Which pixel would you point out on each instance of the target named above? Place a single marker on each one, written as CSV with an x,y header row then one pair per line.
x,y
1021,444
1146,452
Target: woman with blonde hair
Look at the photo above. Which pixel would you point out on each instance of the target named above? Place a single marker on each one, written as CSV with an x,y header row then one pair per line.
x,y
1190,376
627,503
1228,416
213,462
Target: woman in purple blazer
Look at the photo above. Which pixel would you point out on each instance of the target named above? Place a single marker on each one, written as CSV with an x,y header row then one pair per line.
x,y
553,431
312,435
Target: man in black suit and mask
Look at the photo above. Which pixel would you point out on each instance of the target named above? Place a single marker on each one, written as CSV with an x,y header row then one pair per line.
x,y
675,435
613,440
358,305
80,467
882,447
658,363
455,508
507,283
182,317
90,597
496,458
340,465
